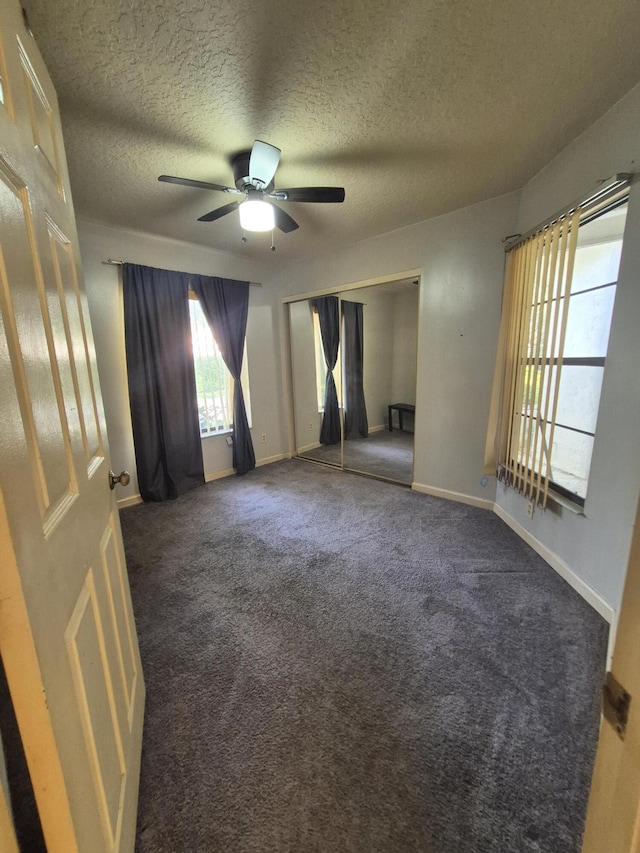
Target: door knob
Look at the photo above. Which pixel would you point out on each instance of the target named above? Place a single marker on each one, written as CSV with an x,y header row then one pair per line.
x,y
124,478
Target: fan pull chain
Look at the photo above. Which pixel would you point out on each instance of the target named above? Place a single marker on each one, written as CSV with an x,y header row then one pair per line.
x,y
273,248
244,236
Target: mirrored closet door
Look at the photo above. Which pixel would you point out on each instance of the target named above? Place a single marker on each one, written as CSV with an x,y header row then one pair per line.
x,y
343,397
316,374
380,344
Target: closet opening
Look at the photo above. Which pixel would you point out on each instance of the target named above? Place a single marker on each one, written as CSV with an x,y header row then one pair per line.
x,y
353,366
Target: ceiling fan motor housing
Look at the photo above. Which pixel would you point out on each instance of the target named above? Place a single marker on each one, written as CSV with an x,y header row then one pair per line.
x,y
240,165
251,170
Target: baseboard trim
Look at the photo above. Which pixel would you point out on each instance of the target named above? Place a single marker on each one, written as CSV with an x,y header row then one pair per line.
x,y
378,428
132,500
228,472
613,632
270,459
566,573
218,475
208,478
447,494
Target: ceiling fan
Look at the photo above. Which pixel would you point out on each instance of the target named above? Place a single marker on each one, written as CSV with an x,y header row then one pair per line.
x,y
253,173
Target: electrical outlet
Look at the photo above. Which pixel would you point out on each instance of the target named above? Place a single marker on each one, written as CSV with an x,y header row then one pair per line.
x,y
264,438
530,509
310,426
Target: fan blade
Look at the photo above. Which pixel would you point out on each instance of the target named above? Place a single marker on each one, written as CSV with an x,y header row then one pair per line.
x,y
319,195
201,185
283,221
263,162
219,211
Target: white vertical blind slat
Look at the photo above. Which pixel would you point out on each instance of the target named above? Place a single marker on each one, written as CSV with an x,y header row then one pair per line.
x,y
540,282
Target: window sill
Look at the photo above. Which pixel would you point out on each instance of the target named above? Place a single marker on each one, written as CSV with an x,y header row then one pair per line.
x,y
216,434
564,503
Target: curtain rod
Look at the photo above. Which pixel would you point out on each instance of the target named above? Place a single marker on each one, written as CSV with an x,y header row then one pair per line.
x,y
605,186
113,263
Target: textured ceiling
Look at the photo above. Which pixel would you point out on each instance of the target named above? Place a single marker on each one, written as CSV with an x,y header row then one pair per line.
x,y
416,107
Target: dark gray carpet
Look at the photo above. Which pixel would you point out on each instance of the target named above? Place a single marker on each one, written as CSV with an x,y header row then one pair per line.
x,y
383,454
339,664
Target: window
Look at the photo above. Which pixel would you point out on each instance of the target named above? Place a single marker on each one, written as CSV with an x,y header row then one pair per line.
x,y
593,290
214,383
321,365
559,295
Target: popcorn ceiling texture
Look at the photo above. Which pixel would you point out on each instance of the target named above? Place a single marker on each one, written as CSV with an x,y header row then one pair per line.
x,y
416,107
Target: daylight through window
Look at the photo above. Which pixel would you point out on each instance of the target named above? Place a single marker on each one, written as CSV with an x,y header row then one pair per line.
x,y
321,365
214,383
559,295
591,299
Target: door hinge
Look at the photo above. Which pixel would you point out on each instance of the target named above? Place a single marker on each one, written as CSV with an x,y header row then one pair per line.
x,y
615,704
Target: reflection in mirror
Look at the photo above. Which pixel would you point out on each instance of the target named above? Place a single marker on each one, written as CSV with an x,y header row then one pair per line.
x,y
317,378
379,364
353,362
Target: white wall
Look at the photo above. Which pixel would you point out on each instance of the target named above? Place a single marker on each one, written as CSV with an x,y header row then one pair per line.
x,y
104,294
461,259
596,546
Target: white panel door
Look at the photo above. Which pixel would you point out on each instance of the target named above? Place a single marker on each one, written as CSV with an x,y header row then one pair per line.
x,y
67,635
613,816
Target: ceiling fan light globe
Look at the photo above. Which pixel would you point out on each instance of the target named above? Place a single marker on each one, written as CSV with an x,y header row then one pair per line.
x,y
256,215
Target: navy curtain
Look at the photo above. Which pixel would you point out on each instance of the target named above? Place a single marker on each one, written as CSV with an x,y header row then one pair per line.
x,y
355,410
162,386
225,304
328,315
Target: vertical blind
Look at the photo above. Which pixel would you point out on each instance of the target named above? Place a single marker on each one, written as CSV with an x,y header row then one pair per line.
x,y
524,401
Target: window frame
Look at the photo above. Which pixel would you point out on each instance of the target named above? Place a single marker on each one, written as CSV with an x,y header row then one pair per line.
x,y
244,375
586,361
